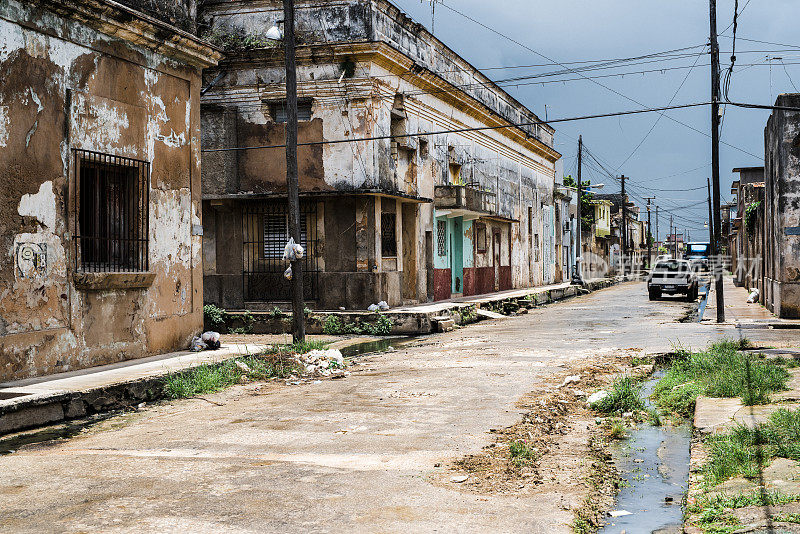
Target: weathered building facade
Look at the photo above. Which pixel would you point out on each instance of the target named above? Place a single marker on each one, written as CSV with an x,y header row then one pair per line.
x,y
397,206
100,164
781,292
746,243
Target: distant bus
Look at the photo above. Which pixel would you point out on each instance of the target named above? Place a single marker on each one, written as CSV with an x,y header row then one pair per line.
x,y
698,253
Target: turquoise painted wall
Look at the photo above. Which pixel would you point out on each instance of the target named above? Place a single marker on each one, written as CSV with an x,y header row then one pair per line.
x,y
441,262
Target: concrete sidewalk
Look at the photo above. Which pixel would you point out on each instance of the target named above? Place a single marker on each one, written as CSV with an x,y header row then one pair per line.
x,y
48,399
740,313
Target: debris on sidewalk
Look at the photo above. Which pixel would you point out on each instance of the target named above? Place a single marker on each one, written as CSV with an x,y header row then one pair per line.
x,y
321,363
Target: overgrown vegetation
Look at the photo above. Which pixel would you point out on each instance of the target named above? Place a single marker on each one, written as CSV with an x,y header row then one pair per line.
x,y
587,208
750,216
745,451
720,371
296,348
380,326
215,377
623,396
215,315
247,323
713,514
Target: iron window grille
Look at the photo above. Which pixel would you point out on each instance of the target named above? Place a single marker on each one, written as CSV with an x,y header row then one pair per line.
x,y
112,197
388,235
278,111
264,235
441,238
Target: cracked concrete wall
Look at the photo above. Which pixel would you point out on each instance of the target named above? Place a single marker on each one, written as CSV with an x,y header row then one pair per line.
x,y
69,85
782,209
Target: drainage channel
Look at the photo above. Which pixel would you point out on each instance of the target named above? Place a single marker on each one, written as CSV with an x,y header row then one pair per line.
x,y
60,431
654,464
378,345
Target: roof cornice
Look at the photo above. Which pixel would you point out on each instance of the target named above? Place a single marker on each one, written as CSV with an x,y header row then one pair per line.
x,y
112,18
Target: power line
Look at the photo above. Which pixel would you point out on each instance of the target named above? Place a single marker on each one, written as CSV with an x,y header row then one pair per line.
x,y
462,130
593,81
660,115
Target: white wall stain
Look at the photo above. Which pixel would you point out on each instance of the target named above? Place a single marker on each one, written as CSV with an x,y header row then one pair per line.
x,y
41,205
4,125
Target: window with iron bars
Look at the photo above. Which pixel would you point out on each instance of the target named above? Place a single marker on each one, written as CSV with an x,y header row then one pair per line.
x,y
112,199
276,234
441,238
388,235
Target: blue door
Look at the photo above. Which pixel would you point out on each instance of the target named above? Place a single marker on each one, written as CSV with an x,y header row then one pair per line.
x,y
457,255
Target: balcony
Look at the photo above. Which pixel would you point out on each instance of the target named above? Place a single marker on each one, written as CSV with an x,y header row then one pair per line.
x,y
468,199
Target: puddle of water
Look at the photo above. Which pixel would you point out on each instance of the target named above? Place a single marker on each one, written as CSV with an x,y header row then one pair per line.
x,y
378,345
654,463
55,432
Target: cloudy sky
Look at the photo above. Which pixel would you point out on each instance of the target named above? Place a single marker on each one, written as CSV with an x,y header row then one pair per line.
x,y
672,160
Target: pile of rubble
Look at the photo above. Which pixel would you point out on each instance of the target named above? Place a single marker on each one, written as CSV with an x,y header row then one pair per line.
x,y
319,363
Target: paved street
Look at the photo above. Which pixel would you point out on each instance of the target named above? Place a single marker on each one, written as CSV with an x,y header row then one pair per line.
x,y
353,455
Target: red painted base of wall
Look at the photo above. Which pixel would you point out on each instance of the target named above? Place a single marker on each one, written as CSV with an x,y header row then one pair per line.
x,y
505,278
442,282
477,281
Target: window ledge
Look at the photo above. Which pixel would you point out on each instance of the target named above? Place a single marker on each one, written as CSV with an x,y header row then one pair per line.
x,y
102,281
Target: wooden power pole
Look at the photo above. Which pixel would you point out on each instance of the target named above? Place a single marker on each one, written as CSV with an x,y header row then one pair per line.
x,y
576,277
624,226
715,98
649,236
292,183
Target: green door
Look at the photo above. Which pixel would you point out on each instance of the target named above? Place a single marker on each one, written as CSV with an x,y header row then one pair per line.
x,y
457,255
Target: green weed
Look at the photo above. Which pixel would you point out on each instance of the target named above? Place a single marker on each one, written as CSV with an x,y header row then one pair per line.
x,y
714,513
745,451
521,453
719,371
617,430
215,377
624,396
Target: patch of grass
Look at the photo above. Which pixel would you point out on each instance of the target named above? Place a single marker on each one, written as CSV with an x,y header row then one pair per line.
x,y
719,371
624,396
617,430
581,526
637,361
713,514
521,453
786,518
215,377
653,417
745,451
297,348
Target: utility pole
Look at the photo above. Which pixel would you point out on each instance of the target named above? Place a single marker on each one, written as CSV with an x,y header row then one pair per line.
x,y
715,97
292,185
671,235
710,214
576,276
656,223
649,236
624,226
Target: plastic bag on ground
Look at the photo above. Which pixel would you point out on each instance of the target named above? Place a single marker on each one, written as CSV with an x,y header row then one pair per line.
x,y
197,345
211,339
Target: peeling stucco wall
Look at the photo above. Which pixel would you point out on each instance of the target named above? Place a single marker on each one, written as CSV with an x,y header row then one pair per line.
x,y
71,85
349,62
782,209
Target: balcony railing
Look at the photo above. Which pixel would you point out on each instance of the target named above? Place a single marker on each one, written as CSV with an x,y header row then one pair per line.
x,y
468,197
